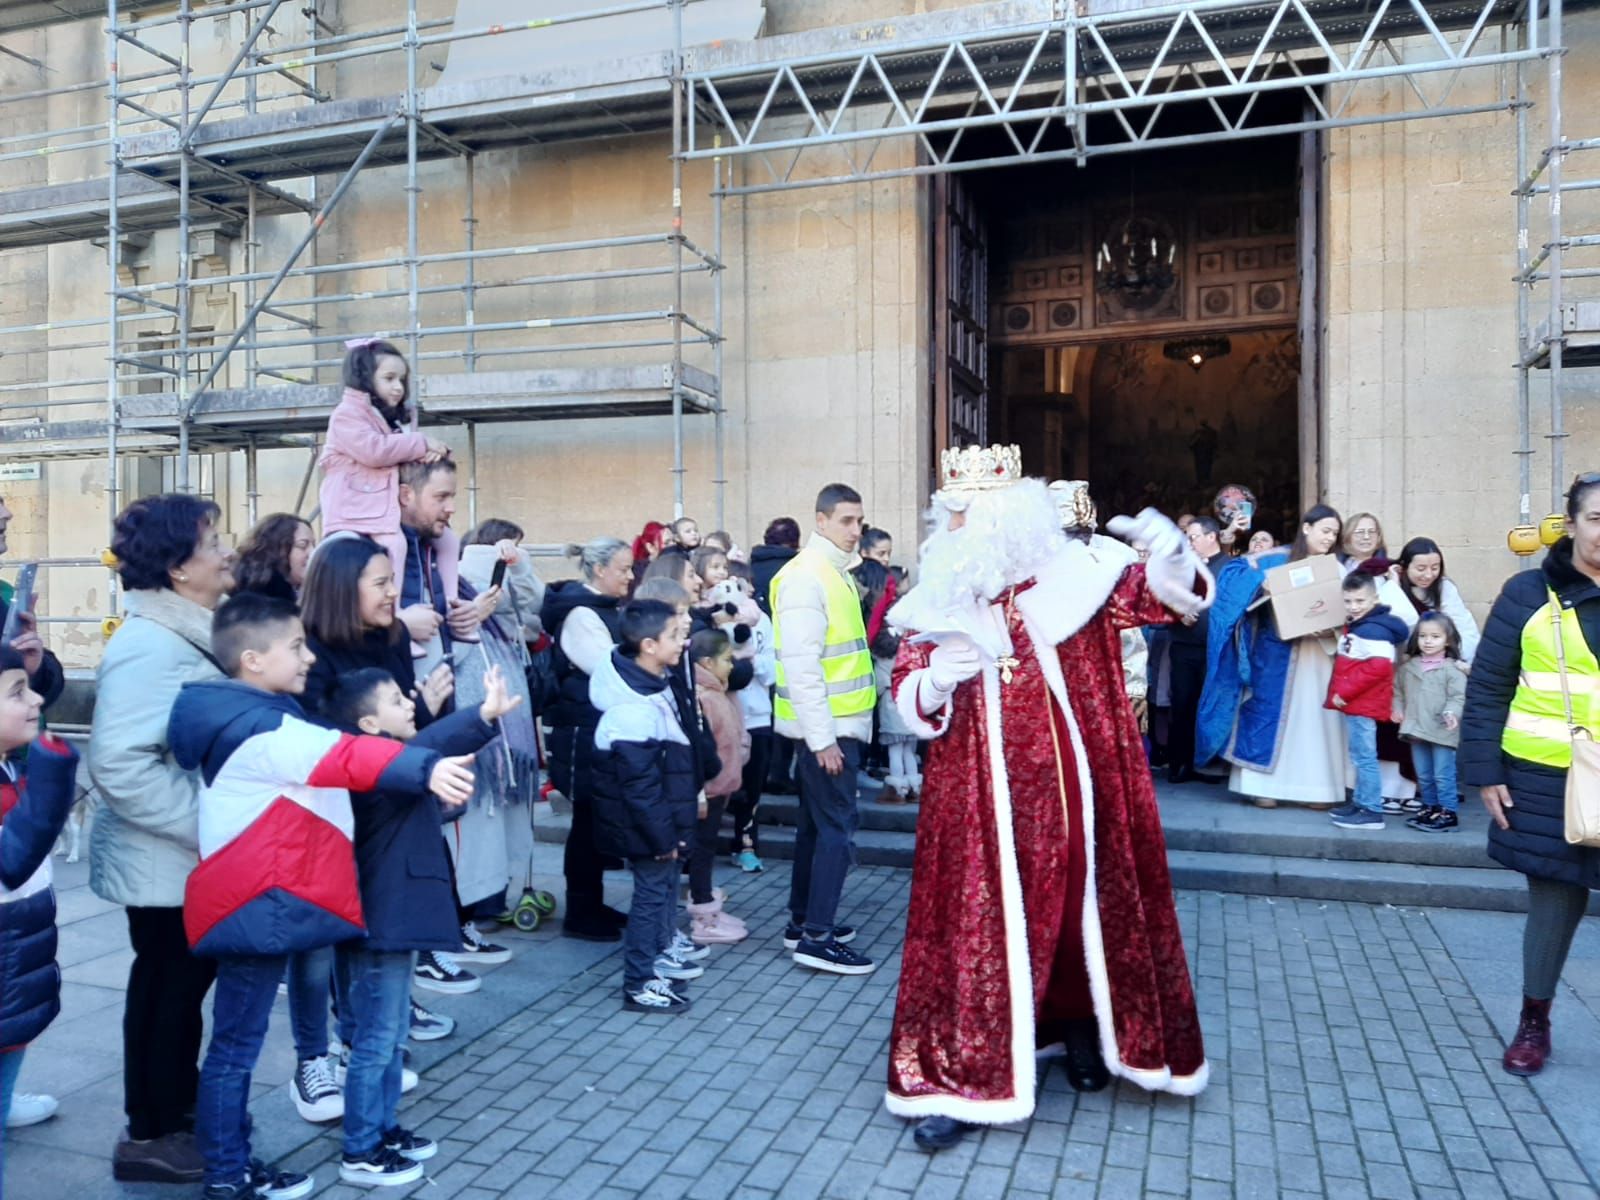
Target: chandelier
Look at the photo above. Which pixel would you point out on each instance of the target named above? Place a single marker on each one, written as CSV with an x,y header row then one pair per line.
x,y
1134,262
1197,351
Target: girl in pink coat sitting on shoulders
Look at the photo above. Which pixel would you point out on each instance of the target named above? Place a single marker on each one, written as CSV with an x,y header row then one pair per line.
x,y
372,431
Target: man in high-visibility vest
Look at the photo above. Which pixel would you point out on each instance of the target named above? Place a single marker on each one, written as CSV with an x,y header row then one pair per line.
x,y
824,699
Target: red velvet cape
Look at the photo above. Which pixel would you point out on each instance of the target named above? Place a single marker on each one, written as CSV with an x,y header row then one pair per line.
x,y
989,891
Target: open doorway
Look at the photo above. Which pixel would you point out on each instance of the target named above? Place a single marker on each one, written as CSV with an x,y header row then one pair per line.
x,y
1140,321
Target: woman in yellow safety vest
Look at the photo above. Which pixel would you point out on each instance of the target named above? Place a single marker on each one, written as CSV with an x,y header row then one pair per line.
x,y
1516,746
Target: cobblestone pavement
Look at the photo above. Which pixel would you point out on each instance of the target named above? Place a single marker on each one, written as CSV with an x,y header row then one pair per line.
x,y
1352,1056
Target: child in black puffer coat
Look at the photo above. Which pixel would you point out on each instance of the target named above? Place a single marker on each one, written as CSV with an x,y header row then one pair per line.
x,y
36,794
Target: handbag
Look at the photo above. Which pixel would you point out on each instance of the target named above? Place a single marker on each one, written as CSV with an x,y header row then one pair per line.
x,y
1583,776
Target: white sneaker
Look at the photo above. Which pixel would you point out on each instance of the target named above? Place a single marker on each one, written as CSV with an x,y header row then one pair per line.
x,y
28,1109
439,972
318,1093
683,947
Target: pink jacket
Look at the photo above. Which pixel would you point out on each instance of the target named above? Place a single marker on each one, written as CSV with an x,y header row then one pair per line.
x,y
360,479
727,726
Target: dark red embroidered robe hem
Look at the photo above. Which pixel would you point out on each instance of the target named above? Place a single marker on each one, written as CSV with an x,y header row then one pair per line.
x,y
1011,766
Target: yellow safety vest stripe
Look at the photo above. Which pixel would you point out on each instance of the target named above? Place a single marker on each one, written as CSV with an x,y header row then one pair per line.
x,y
1536,728
847,673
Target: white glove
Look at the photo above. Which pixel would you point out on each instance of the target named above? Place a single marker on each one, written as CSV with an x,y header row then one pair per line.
x,y
952,664
1173,565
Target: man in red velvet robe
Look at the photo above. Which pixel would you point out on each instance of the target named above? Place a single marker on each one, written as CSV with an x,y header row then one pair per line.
x,y
1041,913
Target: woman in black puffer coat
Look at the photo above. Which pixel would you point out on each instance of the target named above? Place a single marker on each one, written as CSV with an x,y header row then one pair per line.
x,y
1526,799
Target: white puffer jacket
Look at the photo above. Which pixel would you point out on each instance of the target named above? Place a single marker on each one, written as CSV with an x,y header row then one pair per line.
x,y
146,831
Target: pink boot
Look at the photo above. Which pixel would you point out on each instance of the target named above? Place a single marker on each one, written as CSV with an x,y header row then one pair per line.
x,y
710,926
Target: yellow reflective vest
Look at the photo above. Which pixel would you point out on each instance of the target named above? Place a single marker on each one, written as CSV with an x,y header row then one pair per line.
x,y
846,660
1536,728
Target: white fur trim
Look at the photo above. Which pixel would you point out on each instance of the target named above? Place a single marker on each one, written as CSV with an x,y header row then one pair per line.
x,y
1019,971
907,701
1070,589
1094,950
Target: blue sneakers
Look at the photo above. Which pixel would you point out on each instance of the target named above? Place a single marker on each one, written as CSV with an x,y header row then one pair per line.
x,y
1361,818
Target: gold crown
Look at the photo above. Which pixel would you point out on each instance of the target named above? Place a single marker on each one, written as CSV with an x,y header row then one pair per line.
x,y
979,468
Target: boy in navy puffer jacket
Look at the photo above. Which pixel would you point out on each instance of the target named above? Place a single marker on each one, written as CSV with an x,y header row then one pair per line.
x,y
36,794
646,796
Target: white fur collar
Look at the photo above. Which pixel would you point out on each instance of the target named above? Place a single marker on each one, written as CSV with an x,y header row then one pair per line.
x,y
1071,587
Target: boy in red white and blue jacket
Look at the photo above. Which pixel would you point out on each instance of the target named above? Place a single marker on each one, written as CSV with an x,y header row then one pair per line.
x,y
1362,690
277,870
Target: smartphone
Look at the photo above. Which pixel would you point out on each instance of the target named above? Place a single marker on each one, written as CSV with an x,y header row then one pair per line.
x,y
498,577
21,603
1247,509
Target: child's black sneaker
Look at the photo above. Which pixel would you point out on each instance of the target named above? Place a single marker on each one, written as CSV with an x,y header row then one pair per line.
x,y
685,948
1438,820
316,1090
1423,817
656,996
230,1191
429,1026
794,934
833,956
439,973
412,1145
273,1184
477,948
1393,807
670,965
380,1167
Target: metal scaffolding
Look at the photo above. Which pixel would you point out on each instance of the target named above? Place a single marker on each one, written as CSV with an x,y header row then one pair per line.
x,y
245,150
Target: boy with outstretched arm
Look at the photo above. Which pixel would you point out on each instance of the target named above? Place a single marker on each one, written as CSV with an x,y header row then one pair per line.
x,y
408,904
277,872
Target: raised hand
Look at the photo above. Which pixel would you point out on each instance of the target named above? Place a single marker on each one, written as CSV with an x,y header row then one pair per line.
x,y
497,697
452,780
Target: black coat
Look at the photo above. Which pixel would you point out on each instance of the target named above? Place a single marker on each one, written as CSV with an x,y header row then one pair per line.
x,y
30,981
646,791
571,718
407,898
1535,844
765,563
376,649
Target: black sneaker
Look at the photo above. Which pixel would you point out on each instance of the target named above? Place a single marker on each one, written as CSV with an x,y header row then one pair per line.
x,y
1360,819
379,1167
794,934
230,1191
412,1145
439,973
1442,821
477,948
1423,817
833,956
273,1184
316,1090
655,996
429,1026
1393,807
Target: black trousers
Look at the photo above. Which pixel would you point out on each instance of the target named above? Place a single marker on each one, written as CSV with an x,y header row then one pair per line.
x,y
703,854
162,1024
742,804
1188,666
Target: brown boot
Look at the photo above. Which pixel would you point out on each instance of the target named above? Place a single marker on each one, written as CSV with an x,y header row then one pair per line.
x,y
1528,1050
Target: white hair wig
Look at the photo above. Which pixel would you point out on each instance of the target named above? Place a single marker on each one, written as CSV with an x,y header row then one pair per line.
x,y
1009,535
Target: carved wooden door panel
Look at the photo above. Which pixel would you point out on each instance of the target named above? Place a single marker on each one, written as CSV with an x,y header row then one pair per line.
x,y
961,317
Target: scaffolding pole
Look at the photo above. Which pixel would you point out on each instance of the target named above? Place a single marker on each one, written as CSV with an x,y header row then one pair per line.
x,y
113,257
678,113
1557,153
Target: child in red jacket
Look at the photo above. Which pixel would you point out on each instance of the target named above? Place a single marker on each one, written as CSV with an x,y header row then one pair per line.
x,y
1363,691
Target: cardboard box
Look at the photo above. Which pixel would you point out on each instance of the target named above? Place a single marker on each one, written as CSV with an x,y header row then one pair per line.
x,y
1307,597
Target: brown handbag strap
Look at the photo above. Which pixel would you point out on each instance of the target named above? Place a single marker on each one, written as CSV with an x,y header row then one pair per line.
x,y
1561,659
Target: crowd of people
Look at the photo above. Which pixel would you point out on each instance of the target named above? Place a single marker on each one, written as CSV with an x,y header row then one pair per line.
x,y
317,761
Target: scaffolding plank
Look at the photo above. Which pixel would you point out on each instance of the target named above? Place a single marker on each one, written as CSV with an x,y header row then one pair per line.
x,y
229,418
18,15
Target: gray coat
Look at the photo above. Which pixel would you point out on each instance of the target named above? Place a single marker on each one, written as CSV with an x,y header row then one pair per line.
x,y
1425,696
145,840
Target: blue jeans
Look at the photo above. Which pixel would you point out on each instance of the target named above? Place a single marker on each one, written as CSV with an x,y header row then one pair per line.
x,y
246,988
824,844
650,919
1436,774
10,1064
1361,735
310,977
379,1004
